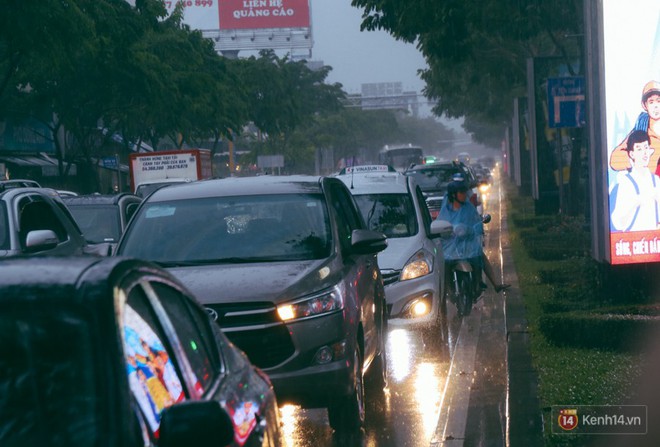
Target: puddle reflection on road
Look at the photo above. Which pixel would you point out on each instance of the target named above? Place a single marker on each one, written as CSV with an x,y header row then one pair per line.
x,y
407,416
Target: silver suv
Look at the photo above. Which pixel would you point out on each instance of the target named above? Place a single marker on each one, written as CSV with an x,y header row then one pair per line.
x,y
412,265
36,221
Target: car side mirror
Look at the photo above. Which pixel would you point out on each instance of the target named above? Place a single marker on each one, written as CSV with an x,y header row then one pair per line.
x,y
441,228
195,423
366,242
39,240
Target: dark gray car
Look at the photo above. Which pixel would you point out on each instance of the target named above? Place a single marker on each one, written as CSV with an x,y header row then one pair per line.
x,y
103,218
289,270
111,352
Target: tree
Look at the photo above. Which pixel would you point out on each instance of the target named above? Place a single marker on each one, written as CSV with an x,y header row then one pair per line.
x,y
284,96
477,50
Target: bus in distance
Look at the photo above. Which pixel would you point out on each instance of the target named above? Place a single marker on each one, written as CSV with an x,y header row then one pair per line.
x,y
401,157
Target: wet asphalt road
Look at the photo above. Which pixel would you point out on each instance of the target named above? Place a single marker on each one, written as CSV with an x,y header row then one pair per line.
x,y
445,389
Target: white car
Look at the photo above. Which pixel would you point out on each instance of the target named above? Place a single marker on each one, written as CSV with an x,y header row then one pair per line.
x,y
412,265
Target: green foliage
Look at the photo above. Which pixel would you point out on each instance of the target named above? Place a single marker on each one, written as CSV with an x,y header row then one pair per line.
x,y
477,50
573,320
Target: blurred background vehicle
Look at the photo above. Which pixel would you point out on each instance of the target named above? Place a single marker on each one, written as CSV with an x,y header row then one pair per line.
x,y
145,188
433,180
151,170
412,265
401,157
18,183
102,218
116,352
289,270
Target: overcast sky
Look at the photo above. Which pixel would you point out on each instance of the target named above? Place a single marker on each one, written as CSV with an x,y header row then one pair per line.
x,y
360,57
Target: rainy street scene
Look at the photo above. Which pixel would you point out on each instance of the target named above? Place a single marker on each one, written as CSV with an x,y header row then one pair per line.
x,y
314,223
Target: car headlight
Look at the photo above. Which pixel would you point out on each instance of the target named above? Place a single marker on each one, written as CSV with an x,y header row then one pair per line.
x,y
325,302
420,264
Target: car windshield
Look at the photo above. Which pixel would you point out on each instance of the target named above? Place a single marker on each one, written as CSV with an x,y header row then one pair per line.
x,y
432,178
264,228
47,379
4,228
97,223
391,214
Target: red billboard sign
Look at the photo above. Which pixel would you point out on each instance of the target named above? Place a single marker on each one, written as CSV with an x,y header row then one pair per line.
x,y
259,14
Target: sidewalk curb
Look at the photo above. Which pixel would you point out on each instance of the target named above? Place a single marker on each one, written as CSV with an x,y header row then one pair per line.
x,y
524,419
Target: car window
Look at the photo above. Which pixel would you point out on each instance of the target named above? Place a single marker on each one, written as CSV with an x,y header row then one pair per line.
x,y
391,214
97,223
150,365
348,219
48,389
63,208
192,328
130,210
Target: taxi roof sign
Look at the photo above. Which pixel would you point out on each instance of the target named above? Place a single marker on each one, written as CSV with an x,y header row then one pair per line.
x,y
366,168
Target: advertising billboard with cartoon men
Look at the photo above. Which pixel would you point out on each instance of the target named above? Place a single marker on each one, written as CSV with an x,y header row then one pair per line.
x,y
632,86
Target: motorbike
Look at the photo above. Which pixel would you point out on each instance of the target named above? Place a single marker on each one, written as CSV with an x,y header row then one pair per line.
x,y
463,275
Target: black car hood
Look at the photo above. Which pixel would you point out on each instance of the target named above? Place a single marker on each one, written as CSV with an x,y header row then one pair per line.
x,y
272,281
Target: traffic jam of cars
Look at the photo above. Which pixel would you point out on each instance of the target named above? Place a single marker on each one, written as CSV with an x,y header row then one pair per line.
x,y
193,314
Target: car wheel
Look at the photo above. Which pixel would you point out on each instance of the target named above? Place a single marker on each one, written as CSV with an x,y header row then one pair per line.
x,y
347,413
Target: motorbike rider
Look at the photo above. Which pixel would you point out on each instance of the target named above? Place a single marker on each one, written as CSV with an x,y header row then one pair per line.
x,y
466,242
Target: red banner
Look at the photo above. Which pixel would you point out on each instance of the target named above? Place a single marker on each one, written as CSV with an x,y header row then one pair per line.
x,y
259,14
635,247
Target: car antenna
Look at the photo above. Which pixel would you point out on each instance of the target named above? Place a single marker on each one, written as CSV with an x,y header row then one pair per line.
x,y
352,175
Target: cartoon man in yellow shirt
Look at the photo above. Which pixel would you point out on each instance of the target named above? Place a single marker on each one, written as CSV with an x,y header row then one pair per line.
x,y
648,121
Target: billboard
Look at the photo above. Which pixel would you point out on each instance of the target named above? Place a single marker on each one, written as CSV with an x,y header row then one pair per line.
x,y
236,25
258,14
243,14
631,78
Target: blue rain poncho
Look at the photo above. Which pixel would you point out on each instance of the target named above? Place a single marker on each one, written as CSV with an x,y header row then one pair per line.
x,y
466,241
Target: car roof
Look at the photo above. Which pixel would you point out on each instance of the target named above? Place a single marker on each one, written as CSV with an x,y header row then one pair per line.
x,y
382,182
436,165
97,199
61,275
49,192
242,186
25,278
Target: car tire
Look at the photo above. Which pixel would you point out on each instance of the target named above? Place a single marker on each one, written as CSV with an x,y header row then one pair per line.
x,y
347,413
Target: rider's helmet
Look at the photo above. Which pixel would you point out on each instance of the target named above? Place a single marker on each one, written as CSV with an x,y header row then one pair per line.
x,y
454,187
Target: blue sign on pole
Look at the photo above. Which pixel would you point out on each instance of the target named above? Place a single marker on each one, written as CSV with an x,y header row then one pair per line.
x,y
109,162
566,102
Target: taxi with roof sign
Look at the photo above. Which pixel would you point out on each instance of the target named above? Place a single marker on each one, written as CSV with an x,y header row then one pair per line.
x,y
412,265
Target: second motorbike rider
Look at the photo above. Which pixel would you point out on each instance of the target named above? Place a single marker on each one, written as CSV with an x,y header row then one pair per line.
x,y
466,242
